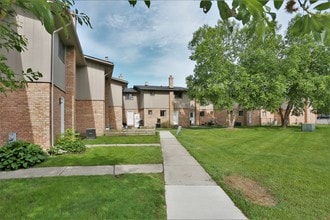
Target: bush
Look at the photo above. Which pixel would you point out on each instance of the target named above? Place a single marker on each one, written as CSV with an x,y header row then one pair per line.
x,y
68,143
20,154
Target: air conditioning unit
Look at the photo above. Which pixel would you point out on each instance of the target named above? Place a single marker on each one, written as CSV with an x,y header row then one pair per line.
x,y
91,133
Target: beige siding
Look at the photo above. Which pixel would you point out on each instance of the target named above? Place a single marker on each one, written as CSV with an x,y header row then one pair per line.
x,y
158,100
38,53
90,82
59,68
116,94
131,104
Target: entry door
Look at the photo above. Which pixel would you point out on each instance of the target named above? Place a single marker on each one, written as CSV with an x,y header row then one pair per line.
x,y
137,120
62,113
130,118
175,117
192,118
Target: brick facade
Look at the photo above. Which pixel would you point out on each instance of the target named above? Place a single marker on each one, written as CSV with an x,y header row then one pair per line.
x,y
115,117
27,112
70,89
90,114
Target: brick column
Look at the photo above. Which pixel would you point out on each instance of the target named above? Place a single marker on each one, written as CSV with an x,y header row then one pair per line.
x,y
70,68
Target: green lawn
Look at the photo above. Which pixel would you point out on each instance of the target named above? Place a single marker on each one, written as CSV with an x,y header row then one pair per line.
x,y
107,156
142,139
88,197
293,166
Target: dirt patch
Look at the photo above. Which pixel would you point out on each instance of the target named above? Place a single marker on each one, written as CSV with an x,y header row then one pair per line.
x,y
252,190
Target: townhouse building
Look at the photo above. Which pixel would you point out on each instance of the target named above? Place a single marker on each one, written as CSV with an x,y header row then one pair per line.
x,y
70,94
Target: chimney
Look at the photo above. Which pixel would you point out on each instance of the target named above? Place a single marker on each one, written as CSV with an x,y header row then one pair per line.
x,y
121,76
106,58
170,82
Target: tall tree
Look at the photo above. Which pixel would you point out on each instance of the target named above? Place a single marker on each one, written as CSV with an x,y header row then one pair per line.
x,y
217,77
48,12
235,71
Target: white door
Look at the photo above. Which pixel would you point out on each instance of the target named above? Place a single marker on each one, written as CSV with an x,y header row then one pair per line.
x,y
192,118
175,117
137,120
130,118
62,113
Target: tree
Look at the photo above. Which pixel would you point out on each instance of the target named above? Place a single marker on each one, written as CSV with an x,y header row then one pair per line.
x,y
260,17
217,77
282,74
48,12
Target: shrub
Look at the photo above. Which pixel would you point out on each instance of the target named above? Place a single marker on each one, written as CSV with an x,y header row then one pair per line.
x,y
20,154
68,143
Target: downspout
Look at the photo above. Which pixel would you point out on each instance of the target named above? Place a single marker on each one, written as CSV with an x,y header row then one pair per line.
x,y
52,81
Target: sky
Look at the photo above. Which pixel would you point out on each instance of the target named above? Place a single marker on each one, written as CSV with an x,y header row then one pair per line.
x,y
146,45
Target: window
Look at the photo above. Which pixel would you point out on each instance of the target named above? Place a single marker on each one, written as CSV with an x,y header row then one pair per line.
x,y
149,112
202,113
240,113
264,113
129,96
152,93
162,113
178,95
61,50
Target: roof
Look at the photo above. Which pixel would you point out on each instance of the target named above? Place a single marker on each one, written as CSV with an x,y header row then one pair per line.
x,y
119,80
160,88
130,90
100,61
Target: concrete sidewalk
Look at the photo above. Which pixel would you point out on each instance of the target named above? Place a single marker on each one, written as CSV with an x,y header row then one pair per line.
x,y
81,171
190,192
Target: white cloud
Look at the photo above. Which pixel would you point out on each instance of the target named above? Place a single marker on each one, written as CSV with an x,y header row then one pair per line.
x,y
144,44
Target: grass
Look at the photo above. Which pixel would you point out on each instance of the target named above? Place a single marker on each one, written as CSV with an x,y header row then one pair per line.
x,y
107,156
87,197
142,139
294,166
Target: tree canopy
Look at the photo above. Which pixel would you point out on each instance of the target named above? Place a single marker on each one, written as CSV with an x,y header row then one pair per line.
x,y
235,71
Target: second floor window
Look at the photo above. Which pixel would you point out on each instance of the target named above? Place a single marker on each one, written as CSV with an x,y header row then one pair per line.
x,y
129,96
178,95
162,113
61,51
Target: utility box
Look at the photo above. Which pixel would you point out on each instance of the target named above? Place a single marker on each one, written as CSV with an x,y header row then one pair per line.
x,y
11,137
308,127
91,133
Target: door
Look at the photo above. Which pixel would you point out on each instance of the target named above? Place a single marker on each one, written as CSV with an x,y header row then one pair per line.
x,y
137,120
62,114
175,117
130,118
192,118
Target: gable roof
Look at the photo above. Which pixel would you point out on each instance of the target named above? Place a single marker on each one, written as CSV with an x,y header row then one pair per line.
x,y
159,88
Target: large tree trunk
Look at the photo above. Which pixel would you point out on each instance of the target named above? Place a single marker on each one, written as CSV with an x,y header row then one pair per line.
x,y
231,115
285,115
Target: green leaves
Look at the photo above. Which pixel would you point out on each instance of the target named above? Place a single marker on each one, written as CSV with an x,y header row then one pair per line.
x,y
323,6
205,5
146,2
20,154
225,11
278,4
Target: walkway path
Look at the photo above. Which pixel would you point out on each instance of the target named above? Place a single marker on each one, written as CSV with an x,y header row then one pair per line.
x,y
81,171
190,192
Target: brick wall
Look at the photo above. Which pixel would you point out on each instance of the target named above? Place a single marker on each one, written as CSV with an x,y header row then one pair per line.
x,y
90,114
26,112
184,117
70,88
115,117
